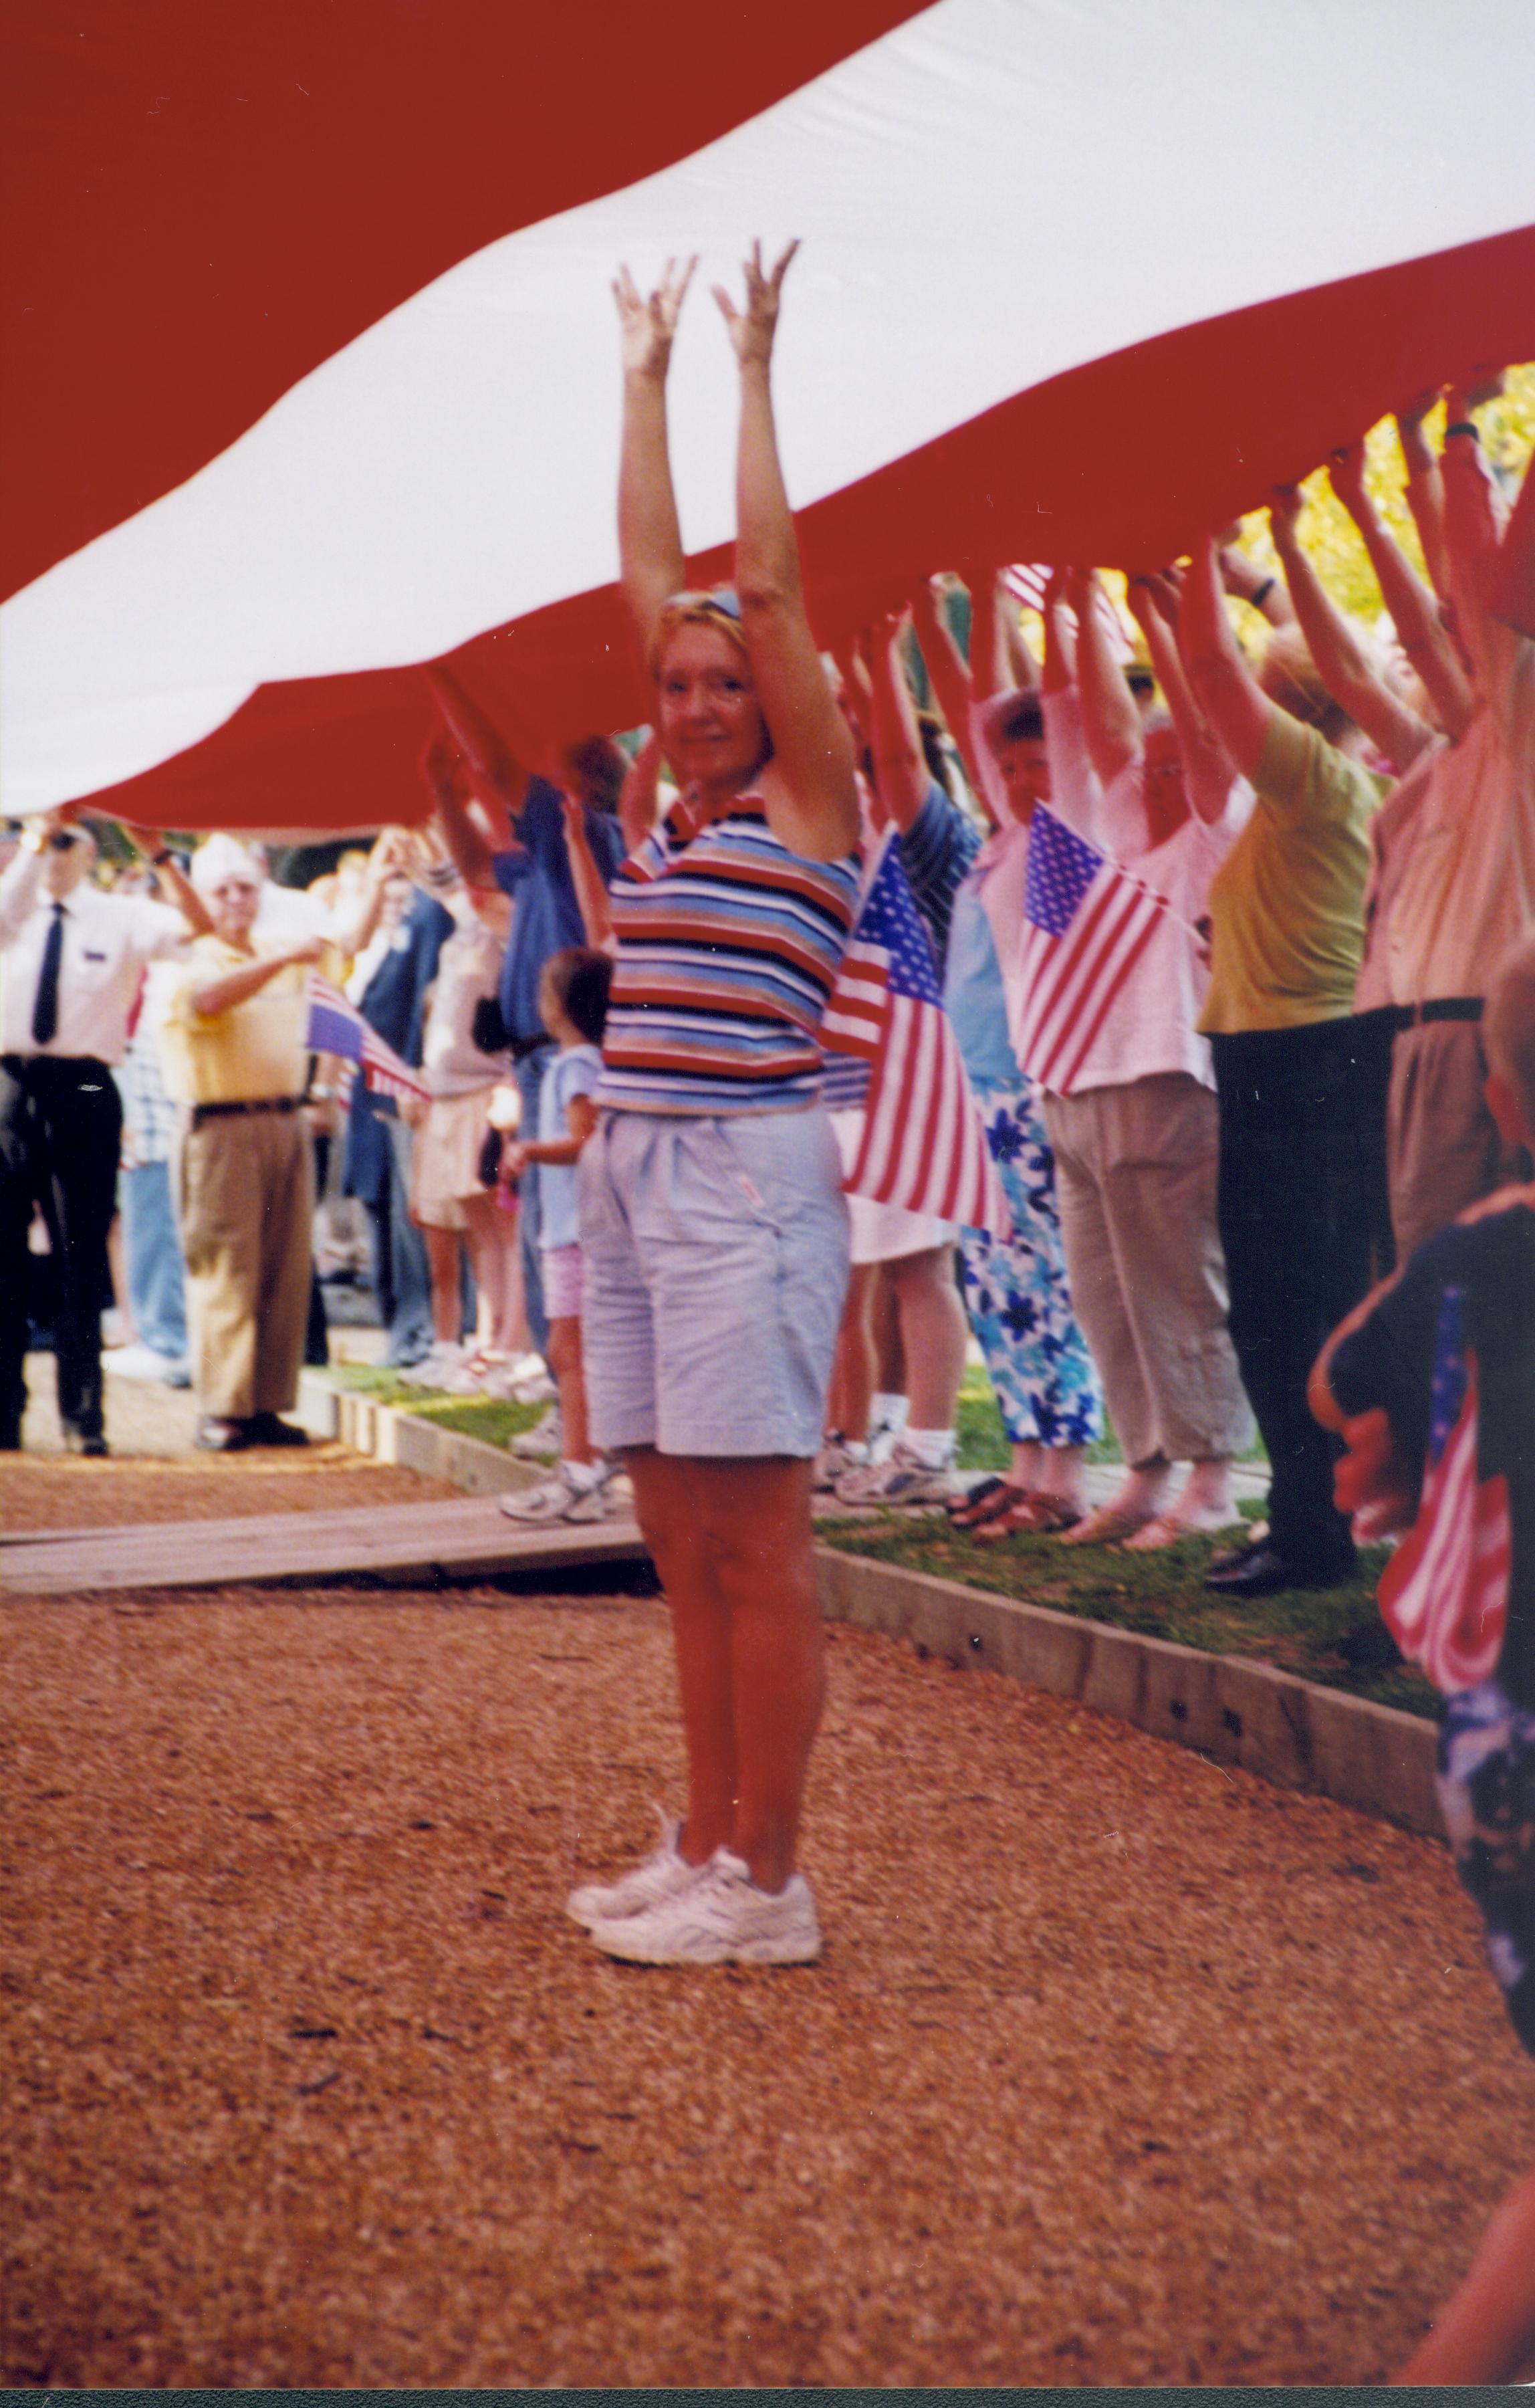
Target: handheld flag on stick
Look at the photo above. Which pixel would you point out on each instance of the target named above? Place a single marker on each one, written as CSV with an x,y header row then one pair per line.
x,y
925,1145
336,1026
1444,1596
1086,923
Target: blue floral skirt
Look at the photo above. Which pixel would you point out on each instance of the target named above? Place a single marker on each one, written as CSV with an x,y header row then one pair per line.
x,y
1017,1294
1487,1788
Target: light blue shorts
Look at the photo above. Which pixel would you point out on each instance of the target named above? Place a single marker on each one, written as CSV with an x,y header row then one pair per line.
x,y
716,1254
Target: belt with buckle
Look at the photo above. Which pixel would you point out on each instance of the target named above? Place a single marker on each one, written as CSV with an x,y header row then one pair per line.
x,y
201,1113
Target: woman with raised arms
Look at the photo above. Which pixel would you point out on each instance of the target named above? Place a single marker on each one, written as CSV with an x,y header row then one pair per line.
x,y
711,1216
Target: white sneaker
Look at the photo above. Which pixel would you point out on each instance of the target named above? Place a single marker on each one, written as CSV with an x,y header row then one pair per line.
x,y
838,1455
555,1500
662,1873
537,1389
439,1362
905,1480
721,1919
545,1440
137,1362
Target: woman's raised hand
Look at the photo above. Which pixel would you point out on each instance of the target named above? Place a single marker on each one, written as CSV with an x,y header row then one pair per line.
x,y
751,329
648,321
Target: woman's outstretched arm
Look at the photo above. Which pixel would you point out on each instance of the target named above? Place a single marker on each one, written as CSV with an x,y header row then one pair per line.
x,y
810,784
650,538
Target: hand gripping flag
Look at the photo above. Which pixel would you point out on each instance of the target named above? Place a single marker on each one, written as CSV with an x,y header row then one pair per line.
x,y
1444,1596
336,1026
925,1145
1086,923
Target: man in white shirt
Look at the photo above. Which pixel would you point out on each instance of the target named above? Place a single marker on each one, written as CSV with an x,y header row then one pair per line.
x,y
70,962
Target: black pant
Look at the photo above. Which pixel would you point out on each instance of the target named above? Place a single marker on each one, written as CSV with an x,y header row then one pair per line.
x,y
61,1122
1299,1201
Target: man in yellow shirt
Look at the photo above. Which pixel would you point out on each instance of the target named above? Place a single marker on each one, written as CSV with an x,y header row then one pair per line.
x,y
236,1062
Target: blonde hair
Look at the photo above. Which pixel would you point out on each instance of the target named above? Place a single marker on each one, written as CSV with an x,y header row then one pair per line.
x,y
1508,1027
720,611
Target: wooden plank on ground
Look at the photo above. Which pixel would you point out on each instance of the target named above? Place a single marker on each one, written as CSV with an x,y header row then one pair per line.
x,y
400,1545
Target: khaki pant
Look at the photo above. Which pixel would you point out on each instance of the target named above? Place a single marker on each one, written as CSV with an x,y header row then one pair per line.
x,y
1443,1150
1135,1174
245,1189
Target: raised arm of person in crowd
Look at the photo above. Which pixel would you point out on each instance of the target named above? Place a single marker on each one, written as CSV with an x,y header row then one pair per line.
x,y
1110,718
1023,668
1060,636
1415,612
808,786
150,844
1425,489
1208,770
1228,695
353,930
638,799
1250,582
949,674
1342,663
492,764
587,879
1512,596
900,766
1475,519
652,567
464,839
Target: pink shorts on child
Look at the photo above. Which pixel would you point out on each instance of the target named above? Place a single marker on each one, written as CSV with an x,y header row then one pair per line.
x,y
562,1282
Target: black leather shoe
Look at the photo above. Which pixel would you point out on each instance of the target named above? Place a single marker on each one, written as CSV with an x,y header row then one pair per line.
x,y
215,1435
270,1430
1262,1569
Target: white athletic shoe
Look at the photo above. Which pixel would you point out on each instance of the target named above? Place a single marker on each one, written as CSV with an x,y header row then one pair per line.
x,y
721,1919
545,1440
839,1454
662,1873
557,1500
905,1480
138,1362
437,1365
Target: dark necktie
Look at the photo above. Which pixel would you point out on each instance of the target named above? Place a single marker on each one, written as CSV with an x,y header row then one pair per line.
x,y
45,1010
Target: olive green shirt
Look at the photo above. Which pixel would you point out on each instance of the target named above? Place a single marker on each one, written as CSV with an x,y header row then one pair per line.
x,y
1286,906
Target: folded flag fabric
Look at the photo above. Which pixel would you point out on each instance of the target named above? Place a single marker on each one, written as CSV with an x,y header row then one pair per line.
x,y
1086,922
1444,1596
336,1026
923,1144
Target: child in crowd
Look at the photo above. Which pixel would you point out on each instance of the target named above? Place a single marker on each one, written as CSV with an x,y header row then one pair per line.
x,y
1431,1384
573,1007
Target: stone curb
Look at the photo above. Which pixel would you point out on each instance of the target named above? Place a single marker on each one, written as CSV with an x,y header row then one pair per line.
x,y
390,1434
1225,1707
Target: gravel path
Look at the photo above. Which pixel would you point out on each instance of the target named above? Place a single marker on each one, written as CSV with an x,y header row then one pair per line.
x,y
1119,2067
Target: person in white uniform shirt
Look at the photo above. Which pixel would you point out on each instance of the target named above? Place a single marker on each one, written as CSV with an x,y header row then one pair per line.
x,y
70,962
1136,1141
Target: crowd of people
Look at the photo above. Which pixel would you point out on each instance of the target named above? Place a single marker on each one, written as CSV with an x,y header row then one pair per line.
x,y
620,1190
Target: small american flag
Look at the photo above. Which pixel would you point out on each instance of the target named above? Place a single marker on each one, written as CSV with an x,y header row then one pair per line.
x,y
925,1145
336,1026
1086,923
1444,1596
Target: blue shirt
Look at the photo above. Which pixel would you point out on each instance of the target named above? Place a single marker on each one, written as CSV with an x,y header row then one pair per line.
x,y
973,994
546,917
393,1003
574,1071
936,850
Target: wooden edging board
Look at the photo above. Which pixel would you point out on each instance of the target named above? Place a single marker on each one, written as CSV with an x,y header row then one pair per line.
x,y
1226,1708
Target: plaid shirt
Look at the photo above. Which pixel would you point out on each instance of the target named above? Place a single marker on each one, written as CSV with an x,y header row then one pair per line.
x,y
149,1115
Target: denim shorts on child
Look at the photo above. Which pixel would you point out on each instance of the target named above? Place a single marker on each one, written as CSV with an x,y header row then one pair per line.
x,y
1487,1788
715,1254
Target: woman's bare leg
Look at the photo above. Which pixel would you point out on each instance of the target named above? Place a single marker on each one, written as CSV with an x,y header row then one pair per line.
x,y
447,1292
496,1252
852,1390
732,1542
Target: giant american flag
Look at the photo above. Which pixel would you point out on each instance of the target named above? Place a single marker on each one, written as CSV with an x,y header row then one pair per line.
x,y
1444,1596
924,1144
336,1026
1086,923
